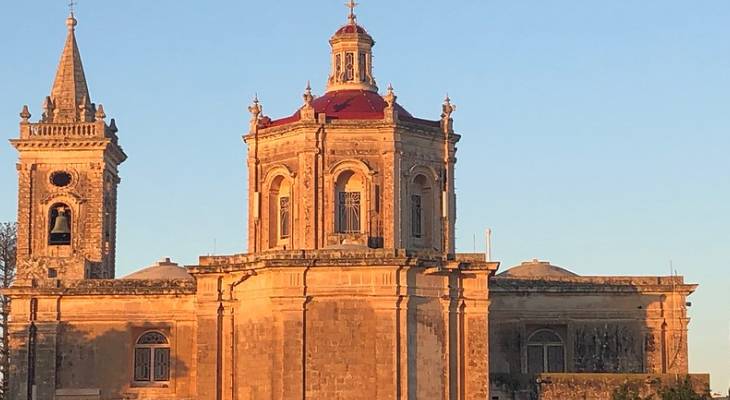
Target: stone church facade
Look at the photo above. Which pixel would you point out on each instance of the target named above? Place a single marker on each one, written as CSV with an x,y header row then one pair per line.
x,y
351,287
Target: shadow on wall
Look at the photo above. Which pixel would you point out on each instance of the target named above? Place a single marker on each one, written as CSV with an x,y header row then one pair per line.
x,y
137,361
582,325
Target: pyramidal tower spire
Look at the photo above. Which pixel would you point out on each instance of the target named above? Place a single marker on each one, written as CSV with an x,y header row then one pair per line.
x,y
70,95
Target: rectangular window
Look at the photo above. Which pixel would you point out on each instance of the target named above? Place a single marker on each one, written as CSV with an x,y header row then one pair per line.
x,y
284,218
349,67
349,212
535,359
555,358
416,215
338,67
162,364
142,362
363,66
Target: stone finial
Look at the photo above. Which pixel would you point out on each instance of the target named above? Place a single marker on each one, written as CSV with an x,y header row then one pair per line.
x,y
113,126
307,111
84,109
389,113
71,22
100,115
447,109
24,115
255,109
308,95
390,96
47,109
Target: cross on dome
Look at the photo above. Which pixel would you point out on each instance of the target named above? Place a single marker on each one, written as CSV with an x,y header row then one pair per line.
x,y
351,5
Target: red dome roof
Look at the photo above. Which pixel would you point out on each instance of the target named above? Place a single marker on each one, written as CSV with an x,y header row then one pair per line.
x,y
349,104
351,28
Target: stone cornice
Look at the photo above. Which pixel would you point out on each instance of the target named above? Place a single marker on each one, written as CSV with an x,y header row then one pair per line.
x,y
351,258
115,151
591,285
103,287
411,126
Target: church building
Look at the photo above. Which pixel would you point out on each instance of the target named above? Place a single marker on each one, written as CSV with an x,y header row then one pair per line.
x,y
351,286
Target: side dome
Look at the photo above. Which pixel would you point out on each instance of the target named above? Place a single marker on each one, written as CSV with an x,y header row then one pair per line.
x,y
536,269
162,270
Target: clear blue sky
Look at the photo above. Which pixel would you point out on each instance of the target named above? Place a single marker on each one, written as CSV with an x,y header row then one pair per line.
x,y
595,133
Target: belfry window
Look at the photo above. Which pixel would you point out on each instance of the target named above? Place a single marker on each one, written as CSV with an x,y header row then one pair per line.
x,y
338,67
363,67
349,67
152,358
416,216
545,352
284,213
59,229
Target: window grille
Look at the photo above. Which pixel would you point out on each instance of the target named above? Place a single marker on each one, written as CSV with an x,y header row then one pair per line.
x,y
349,212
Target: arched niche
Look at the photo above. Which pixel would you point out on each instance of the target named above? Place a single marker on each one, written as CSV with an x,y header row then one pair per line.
x,y
279,199
422,210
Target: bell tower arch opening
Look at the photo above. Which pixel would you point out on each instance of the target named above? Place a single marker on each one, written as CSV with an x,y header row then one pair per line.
x,y
59,233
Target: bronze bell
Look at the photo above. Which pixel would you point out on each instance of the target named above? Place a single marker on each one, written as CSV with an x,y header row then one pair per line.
x,y
60,226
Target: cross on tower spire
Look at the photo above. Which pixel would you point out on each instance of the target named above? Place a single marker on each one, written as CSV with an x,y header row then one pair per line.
x,y
351,5
72,6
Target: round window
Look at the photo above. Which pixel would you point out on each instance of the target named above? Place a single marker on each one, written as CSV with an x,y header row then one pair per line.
x,y
61,178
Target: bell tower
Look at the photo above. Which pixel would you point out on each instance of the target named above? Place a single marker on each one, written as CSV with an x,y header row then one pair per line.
x,y
67,180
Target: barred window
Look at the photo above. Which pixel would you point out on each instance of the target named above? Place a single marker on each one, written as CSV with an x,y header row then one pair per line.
x,y
349,212
545,352
152,358
284,218
416,216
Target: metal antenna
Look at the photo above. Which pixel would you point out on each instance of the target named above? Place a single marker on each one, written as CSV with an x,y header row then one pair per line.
x,y
488,252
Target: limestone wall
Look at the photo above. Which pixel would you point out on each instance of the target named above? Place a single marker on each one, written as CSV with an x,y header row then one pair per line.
x,y
84,339
622,325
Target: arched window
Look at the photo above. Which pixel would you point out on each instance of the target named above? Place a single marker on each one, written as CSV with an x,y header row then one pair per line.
x,y
280,216
421,211
349,190
545,352
59,225
152,358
